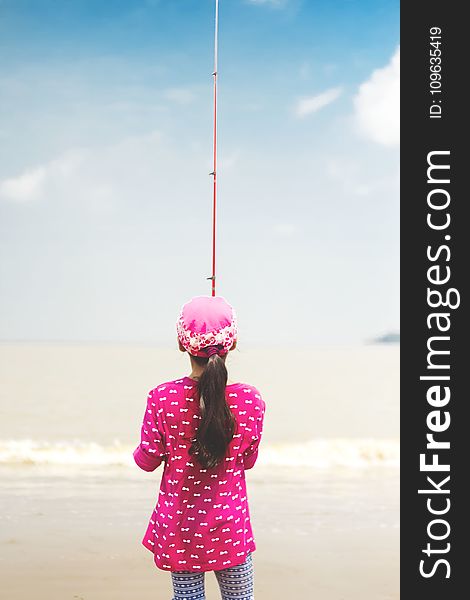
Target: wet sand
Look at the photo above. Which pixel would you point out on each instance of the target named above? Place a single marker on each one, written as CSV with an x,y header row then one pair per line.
x,y
332,537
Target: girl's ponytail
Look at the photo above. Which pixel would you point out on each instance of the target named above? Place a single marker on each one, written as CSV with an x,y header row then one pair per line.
x,y
217,424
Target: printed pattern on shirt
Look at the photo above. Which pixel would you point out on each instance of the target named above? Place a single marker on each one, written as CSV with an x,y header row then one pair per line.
x,y
201,521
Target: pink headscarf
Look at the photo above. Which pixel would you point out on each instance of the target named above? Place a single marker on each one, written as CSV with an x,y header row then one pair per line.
x,y
207,325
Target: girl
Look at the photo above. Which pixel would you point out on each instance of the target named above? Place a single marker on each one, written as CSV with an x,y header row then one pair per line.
x,y
207,432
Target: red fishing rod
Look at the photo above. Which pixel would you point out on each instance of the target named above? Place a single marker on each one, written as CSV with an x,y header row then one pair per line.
x,y
214,170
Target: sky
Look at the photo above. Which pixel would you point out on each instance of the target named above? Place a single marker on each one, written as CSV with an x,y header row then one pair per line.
x,y
105,155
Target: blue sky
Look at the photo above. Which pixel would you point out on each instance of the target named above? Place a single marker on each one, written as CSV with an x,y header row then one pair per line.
x,y
105,198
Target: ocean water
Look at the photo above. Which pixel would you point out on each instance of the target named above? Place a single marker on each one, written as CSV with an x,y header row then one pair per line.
x,y
81,405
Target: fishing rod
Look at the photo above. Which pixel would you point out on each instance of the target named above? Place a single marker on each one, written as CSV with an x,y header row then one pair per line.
x,y
214,170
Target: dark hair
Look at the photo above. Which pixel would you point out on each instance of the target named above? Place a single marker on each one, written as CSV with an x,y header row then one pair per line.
x,y
217,424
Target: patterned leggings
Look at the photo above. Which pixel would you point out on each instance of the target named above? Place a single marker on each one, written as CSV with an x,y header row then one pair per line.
x,y
235,583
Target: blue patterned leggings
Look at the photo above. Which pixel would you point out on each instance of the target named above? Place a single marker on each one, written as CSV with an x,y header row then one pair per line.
x,y
235,583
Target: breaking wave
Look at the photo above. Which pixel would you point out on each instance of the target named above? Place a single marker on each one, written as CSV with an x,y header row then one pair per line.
x,y
318,453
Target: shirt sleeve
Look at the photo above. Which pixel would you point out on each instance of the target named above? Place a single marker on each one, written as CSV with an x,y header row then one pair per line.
x,y
150,453
250,454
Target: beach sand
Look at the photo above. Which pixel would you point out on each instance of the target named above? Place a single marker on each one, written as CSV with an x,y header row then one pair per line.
x,y
78,538
326,574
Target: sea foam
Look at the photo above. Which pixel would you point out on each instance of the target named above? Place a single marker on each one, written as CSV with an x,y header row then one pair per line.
x,y
318,453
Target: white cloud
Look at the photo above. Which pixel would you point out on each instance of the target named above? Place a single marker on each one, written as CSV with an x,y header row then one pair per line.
x,y
33,183
91,175
312,104
25,187
179,95
105,179
377,104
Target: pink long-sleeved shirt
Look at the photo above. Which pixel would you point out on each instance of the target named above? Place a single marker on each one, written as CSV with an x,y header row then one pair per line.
x,y
201,521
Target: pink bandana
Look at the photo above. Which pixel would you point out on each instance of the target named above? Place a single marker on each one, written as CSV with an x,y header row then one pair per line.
x,y
207,325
